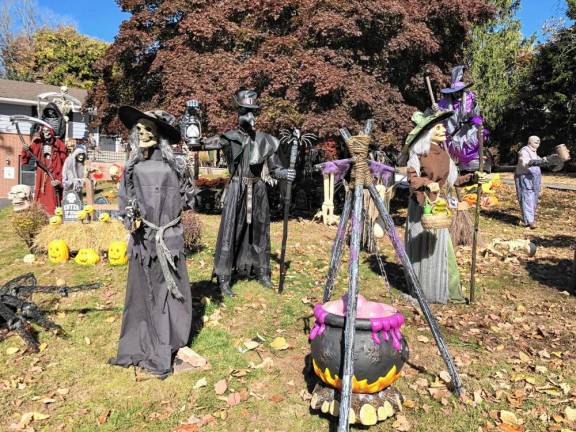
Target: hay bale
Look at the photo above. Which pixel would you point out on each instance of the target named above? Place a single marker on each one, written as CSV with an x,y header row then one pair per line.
x,y
76,235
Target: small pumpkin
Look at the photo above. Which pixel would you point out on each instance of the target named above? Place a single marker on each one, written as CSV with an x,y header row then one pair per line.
x,y
58,252
82,215
55,220
117,253
104,217
58,211
87,257
89,209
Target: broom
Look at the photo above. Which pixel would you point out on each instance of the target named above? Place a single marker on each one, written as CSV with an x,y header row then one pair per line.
x,y
462,228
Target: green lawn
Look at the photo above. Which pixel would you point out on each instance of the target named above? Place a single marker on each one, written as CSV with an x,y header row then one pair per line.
x,y
514,347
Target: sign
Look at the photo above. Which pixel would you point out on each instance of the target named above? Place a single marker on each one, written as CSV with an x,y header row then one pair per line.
x,y
9,173
112,209
71,205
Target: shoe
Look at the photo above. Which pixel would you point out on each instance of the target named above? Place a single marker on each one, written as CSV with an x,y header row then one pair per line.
x,y
225,288
265,281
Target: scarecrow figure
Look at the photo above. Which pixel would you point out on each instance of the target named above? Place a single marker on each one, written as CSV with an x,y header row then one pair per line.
x,y
431,173
528,178
155,189
73,170
49,152
243,243
464,124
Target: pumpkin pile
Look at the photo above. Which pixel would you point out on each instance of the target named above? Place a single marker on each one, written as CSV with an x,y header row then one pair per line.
x,y
59,253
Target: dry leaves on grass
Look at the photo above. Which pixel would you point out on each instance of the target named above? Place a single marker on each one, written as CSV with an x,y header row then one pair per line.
x,y
220,387
279,344
401,424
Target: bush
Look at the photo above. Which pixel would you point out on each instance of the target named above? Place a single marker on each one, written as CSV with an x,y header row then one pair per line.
x,y
28,223
192,231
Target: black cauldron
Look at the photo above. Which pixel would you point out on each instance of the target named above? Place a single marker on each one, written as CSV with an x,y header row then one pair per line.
x,y
380,351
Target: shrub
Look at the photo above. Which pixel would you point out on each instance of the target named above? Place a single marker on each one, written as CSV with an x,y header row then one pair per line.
x,y
192,230
28,223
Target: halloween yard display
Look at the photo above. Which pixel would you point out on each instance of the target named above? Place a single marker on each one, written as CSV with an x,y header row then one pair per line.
x,y
73,170
21,197
431,176
243,244
342,369
49,153
17,310
156,188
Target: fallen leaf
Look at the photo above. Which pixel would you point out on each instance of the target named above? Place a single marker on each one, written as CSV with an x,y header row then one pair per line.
x,y
12,350
220,387
276,398
191,357
111,319
87,340
279,344
266,363
63,391
509,417
505,427
423,339
445,376
188,428
38,416
401,423
570,414
42,347
524,358
48,401
234,399
251,344
103,418
26,419
200,383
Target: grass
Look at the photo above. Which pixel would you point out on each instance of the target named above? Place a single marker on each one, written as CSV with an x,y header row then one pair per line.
x,y
486,339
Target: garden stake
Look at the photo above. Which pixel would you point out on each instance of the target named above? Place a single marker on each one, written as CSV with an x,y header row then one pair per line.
x,y
476,219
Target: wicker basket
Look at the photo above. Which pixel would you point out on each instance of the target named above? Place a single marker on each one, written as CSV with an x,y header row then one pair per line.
x,y
436,221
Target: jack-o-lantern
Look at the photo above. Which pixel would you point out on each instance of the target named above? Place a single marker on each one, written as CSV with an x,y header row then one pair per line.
x,y
117,253
104,217
87,257
58,252
55,220
58,211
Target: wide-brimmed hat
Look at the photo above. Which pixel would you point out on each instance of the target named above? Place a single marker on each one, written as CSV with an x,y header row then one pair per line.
x,y
423,121
247,99
456,83
163,120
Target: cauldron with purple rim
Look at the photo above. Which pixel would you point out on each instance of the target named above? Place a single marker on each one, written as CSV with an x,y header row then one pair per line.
x,y
380,351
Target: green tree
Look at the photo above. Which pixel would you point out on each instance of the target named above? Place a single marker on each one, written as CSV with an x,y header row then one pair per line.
x,y
499,58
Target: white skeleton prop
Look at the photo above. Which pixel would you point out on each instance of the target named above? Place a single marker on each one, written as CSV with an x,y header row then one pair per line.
x,y
64,101
327,213
147,133
21,197
506,249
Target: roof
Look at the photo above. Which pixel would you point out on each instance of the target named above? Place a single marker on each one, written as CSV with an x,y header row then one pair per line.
x,y
29,91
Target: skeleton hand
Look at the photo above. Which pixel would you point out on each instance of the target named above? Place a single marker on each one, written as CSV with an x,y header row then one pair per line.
x,y
288,174
433,187
130,213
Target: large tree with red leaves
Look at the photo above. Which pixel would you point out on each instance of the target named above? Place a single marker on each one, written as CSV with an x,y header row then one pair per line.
x,y
318,64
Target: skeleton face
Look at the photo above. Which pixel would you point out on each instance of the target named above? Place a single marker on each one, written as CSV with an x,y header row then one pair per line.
x,y
438,134
147,132
81,157
21,196
46,133
534,142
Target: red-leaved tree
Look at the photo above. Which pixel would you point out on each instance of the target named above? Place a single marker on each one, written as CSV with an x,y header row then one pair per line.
x,y
318,64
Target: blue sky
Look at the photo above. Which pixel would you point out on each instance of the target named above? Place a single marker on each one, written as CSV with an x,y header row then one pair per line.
x,y
101,18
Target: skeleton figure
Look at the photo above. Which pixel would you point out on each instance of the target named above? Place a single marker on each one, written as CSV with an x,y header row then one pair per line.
x,y
21,197
155,189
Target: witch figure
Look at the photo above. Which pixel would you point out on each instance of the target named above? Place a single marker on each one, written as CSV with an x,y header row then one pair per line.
x,y
243,244
431,173
155,189
464,124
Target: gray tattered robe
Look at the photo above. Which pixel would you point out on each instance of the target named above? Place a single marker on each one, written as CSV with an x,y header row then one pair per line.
x,y
155,324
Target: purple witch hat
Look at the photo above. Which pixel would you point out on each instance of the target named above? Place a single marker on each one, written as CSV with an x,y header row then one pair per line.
x,y
456,83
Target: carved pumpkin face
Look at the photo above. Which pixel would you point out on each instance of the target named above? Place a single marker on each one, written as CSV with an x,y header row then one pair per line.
x,y
104,217
55,220
89,209
117,253
58,252
58,211
87,257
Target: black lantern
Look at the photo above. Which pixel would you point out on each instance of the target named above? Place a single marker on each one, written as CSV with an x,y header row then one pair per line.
x,y
191,123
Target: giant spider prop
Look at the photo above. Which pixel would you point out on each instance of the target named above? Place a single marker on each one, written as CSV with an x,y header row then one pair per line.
x,y
17,310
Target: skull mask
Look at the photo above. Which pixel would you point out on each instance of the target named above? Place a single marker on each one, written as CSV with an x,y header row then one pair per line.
x,y
21,196
147,133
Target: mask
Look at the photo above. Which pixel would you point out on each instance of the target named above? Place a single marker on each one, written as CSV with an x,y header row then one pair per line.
x,y
21,197
147,133
246,120
438,134
534,142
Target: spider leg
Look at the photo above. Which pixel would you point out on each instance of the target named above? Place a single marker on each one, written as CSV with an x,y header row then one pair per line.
x,y
31,312
18,325
12,286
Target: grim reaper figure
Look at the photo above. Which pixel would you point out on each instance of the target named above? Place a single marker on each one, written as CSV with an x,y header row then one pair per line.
x,y
243,244
155,188
73,171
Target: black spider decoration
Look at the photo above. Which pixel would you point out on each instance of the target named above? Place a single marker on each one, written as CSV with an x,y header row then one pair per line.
x,y
17,310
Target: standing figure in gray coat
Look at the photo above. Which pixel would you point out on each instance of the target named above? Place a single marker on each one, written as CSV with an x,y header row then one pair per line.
x,y
155,189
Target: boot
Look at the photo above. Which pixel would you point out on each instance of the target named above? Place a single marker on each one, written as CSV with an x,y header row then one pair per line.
x,y
264,278
224,283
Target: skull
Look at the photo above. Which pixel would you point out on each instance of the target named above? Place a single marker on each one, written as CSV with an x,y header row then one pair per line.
x,y
438,134
147,133
21,196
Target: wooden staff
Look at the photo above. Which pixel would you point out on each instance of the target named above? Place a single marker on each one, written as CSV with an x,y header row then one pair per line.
x,y
477,217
